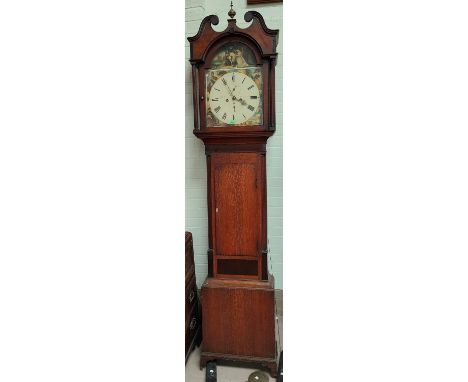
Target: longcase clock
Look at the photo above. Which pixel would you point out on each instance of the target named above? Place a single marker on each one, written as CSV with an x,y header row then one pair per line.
x,y
234,114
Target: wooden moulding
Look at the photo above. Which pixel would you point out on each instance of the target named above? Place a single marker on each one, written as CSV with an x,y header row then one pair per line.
x,y
265,38
239,322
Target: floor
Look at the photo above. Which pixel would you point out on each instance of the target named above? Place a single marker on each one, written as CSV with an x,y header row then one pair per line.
x,y
231,373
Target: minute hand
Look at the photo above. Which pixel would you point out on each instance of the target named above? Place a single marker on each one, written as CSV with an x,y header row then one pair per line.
x,y
230,91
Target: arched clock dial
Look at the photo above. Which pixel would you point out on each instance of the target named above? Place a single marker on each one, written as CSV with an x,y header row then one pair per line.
x,y
234,98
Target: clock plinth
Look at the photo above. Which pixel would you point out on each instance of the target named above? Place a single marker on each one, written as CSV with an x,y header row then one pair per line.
x,y
233,75
239,322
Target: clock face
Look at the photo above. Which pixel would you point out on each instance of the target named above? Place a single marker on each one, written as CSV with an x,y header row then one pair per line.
x,y
234,88
234,98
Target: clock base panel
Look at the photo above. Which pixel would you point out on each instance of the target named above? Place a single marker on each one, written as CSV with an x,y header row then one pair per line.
x,y
239,322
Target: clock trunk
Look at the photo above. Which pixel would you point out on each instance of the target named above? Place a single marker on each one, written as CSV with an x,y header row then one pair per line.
x,y
237,186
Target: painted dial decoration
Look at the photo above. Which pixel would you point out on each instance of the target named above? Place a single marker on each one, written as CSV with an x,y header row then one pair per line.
x,y
234,88
234,98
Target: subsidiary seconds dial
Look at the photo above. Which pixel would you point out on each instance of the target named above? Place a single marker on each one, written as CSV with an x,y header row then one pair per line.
x,y
234,98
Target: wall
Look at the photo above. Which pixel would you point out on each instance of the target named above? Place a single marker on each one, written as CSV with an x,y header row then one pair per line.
x,y
196,220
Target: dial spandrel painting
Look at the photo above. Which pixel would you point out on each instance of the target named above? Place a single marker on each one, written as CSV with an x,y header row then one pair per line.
x,y
234,88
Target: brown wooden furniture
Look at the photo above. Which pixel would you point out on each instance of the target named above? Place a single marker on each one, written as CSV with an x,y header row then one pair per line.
x,y
192,309
234,107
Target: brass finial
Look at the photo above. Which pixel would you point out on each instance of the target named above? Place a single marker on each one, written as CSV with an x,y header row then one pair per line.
x,y
232,12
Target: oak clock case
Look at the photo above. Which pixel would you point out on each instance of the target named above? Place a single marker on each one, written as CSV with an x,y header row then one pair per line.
x,y
234,115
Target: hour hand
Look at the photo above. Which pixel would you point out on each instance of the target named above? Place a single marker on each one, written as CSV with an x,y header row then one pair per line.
x,y
242,101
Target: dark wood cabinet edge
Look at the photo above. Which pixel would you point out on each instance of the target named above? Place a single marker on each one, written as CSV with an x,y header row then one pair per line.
x,y
194,310
189,275
232,134
210,263
264,265
196,341
267,285
193,333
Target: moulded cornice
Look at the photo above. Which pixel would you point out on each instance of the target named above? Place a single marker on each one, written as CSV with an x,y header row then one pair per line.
x,y
264,37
